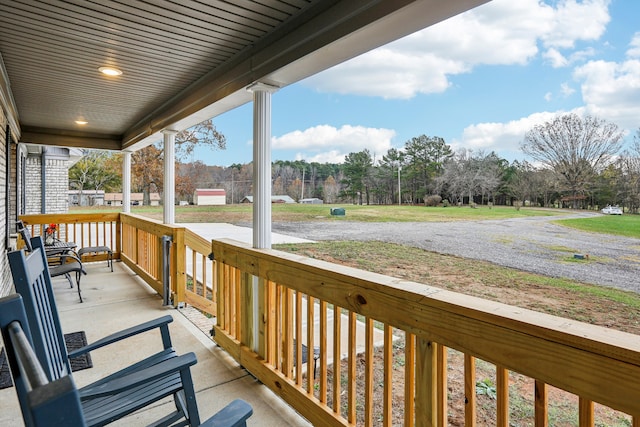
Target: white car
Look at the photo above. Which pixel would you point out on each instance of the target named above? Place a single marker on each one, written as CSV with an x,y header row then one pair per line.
x,y
612,210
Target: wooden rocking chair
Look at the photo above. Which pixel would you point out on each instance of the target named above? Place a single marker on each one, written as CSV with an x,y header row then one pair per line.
x,y
56,402
121,393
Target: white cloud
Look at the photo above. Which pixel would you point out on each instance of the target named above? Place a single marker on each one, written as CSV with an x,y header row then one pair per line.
x,y
611,90
572,21
634,46
556,59
566,90
501,32
502,137
548,96
326,143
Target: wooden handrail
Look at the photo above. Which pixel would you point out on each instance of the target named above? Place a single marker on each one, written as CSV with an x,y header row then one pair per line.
x,y
594,363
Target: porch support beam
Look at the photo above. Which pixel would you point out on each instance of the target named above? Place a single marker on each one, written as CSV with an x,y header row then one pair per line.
x,y
126,181
168,208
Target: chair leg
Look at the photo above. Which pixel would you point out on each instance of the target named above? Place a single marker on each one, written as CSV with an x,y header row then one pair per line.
x,y
78,276
68,276
189,396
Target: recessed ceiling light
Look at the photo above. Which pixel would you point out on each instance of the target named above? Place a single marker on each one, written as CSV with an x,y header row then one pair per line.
x,y
110,71
81,122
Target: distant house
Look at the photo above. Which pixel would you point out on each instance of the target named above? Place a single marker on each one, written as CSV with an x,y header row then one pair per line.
x,y
274,199
86,197
312,201
115,199
209,196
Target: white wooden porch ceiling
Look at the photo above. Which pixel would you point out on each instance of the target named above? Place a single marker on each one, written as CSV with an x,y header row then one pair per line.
x,y
182,60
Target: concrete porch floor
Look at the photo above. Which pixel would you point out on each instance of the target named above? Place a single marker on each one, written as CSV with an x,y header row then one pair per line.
x,y
114,301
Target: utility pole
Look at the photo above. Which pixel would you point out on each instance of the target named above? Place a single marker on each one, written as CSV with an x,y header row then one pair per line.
x,y
399,189
302,192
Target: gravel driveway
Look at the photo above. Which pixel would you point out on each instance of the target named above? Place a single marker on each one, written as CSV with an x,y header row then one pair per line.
x,y
532,244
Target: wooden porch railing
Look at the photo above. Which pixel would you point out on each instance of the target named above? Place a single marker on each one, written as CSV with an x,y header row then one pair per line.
x,y
136,240
395,340
100,229
192,272
300,300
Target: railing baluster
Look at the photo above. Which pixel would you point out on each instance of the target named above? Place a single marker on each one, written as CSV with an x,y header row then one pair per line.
x,y
269,320
222,297
233,305
194,272
299,338
288,332
368,372
388,377
337,356
502,390
409,379
585,409
242,279
279,326
469,391
351,413
442,386
323,352
540,404
310,342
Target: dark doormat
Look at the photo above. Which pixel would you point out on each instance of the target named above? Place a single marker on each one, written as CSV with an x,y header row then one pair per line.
x,y
74,341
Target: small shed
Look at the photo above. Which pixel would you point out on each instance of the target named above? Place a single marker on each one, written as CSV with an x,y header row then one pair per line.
x,y
274,199
137,199
209,196
312,201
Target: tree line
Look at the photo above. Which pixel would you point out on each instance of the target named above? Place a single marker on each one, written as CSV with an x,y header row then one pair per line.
x,y
577,162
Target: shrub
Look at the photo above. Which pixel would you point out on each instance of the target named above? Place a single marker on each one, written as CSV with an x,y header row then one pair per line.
x,y
433,200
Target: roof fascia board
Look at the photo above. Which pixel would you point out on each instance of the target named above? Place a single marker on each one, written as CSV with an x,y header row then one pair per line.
x,y
55,137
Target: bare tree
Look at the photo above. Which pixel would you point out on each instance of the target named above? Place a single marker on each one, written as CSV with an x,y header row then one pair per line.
x,y
575,148
202,134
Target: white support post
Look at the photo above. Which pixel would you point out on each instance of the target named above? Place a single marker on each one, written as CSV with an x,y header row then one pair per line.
x,y
168,208
261,199
262,164
126,181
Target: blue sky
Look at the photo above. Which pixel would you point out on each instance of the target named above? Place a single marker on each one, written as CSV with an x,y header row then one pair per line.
x,y
479,80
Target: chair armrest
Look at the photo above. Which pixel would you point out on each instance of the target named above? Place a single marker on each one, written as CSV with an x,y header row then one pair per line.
x,y
235,414
141,377
62,258
161,322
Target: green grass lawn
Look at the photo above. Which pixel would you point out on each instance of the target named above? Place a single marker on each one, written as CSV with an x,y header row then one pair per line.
x,y
304,212
621,225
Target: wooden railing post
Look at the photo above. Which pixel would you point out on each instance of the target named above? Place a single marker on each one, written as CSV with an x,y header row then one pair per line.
x,y
118,235
179,260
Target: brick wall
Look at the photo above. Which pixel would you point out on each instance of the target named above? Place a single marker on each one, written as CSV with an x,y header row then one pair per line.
x,y
57,183
33,184
6,283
